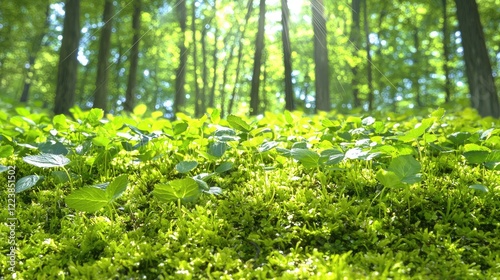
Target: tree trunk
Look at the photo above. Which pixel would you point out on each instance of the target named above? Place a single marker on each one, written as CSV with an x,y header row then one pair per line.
x,y
416,67
240,55
224,76
197,96
446,53
211,99
37,45
257,61
369,72
287,56
101,83
68,62
482,89
320,57
180,81
355,40
134,59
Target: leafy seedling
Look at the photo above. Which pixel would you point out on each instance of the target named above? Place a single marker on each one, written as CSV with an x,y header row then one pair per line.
x,y
91,199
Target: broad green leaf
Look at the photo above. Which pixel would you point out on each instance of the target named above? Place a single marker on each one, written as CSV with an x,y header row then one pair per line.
x,y
389,179
60,176
475,147
225,166
6,151
180,128
237,123
140,110
418,131
186,166
215,116
479,187
217,149
476,157
267,146
117,187
101,141
406,169
186,190
288,117
332,156
299,145
3,168
53,147
27,182
307,157
439,113
59,122
202,184
253,142
459,138
47,160
87,199
214,191
95,115
355,153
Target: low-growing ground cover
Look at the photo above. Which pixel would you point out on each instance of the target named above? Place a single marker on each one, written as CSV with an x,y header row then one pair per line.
x,y
284,196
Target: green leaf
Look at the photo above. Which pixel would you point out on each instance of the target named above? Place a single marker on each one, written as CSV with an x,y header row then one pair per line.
x,y
237,123
6,151
27,182
140,110
368,121
47,160
214,191
389,179
225,166
459,138
180,128
201,184
117,187
215,116
418,131
355,153
476,157
3,168
186,190
101,141
307,157
59,176
479,187
288,117
217,149
53,147
267,146
332,156
406,169
475,147
87,199
186,166
95,115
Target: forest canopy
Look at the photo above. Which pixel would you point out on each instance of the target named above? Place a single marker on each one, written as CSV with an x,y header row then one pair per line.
x,y
250,56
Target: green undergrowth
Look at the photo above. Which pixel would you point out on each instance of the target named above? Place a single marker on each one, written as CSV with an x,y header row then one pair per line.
x,y
285,196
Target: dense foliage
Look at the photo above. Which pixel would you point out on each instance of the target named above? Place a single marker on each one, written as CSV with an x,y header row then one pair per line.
x,y
290,196
409,47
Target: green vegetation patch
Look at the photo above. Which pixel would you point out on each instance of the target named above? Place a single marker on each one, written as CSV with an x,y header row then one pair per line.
x,y
278,196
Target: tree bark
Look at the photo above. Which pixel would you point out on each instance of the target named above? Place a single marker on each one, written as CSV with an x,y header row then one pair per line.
x,y
101,83
446,53
68,62
180,81
355,39
287,56
416,67
320,57
134,59
37,45
197,96
211,99
257,61
482,89
369,72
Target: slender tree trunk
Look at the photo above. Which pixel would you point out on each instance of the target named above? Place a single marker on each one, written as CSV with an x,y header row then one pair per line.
x,y
416,67
257,61
240,55
101,83
211,99
197,98
68,62
37,45
180,81
205,67
355,39
482,89
224,77
320,57
287,56
134,59
446,53
369,72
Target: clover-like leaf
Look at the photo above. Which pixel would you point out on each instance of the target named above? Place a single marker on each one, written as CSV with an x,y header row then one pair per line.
x,y
186,190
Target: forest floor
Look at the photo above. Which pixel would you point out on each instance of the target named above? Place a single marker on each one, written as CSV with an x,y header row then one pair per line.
x,y
284,196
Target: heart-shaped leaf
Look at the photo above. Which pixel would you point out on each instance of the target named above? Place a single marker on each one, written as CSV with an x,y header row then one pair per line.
x,y
87,199
47,160
307,157
27,182
117,187
186,166
186,190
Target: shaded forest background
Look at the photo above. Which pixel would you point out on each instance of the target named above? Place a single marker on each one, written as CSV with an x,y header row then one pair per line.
x,y
250,56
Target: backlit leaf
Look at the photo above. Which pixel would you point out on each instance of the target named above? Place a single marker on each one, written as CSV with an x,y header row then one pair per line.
x,y
47,160
184,189
87,199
